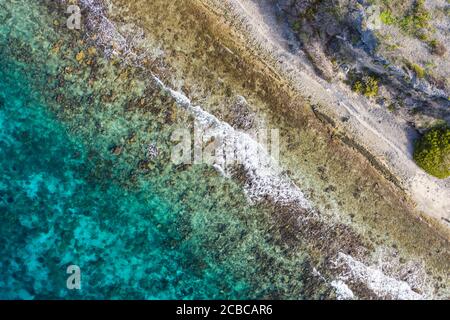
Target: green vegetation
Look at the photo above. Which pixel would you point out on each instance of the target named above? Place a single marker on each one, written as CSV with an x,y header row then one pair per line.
x,y
310,13
387,17
418,70
437,48
368,86
391,107
307,15
296,26
414,21
432,152
417,20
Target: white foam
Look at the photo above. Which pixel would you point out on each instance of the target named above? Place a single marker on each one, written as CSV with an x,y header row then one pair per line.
x,y
264,179
262,182
264,176
382,285
343,292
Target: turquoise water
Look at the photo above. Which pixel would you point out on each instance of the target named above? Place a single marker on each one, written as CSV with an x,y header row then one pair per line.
x,y
56,213
138,228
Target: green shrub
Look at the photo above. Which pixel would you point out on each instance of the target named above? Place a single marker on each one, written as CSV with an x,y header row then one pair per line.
x,y
297,26
391,107
417,20
371,87
368,86
432,152
387,17
418,70
358,87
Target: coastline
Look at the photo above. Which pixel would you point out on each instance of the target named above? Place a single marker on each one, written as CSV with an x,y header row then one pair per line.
x,y
371,130
402,221
328,226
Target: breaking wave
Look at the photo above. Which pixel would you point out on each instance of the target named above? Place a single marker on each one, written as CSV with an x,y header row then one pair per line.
x,y
265,182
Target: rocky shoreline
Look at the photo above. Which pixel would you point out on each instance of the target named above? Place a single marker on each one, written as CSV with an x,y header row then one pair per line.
x,y
231,45
359,235
388,140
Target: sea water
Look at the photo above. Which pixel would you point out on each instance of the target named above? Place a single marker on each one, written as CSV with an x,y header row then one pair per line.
x,y
78,188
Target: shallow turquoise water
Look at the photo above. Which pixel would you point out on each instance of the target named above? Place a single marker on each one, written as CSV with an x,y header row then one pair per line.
x,y
137,228
53,216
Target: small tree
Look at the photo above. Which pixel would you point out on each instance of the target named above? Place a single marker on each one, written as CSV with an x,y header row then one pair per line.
x,y
367,86
432,152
